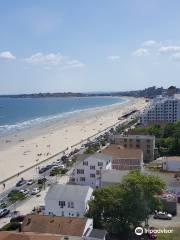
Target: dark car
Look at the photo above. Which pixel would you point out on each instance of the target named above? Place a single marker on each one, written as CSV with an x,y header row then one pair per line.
x,y
64,158
42,170
4,212
21,182
48,167
19,218
42,180
3,205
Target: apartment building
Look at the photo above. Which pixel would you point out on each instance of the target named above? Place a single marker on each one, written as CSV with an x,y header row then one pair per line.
x,y
87,171
162,110
124,159
67,200
144,142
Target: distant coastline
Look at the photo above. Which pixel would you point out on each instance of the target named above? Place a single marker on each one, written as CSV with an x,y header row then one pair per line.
x,y
147,93
23,113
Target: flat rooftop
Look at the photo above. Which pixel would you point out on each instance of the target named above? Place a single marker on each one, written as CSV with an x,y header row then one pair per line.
x,y
117,152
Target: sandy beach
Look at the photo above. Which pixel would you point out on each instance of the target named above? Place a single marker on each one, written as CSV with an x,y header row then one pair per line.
x,y
24,149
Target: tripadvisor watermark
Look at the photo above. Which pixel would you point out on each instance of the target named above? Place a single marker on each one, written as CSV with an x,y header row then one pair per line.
x,y
140,231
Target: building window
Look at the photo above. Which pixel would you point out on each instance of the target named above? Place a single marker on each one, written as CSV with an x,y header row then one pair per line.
x,y
137,145
70,204
148,146
125,140
148,151
138,140
85,163
92,167
82,179
100,164
97,172
80,171
125,145
92,175
62,204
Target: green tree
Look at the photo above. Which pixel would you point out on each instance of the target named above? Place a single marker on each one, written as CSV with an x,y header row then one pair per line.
x,y
123,207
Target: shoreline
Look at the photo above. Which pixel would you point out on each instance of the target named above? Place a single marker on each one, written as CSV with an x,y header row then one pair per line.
x,y
19,155
41,127
50,119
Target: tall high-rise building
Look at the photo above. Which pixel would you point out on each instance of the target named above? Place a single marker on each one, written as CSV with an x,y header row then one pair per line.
x,y
162,110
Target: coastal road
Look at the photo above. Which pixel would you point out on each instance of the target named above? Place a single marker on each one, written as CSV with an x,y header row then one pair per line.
x,y
26,206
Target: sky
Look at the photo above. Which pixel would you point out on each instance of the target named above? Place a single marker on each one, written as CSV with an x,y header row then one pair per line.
x,y
88,45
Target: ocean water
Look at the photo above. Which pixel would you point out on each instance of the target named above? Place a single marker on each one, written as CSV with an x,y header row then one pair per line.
x,y
20,113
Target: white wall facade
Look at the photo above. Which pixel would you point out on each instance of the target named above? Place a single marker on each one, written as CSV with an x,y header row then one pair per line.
x,y
88,172
171,165
72,207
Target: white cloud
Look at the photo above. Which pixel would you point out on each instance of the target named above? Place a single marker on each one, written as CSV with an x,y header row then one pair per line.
x,y
169,49
53,60
149,43
176,57
141,52
7,55
114,57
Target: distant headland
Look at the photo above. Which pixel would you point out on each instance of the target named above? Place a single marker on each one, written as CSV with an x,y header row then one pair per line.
x,y
150,92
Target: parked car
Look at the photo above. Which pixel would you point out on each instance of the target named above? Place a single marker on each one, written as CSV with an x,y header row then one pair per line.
x,y
48,167
24,191
3,205
4,212
59,161
21,182
35,191
19,218
30,182
54,164
62,166
64,158
42,170
162,215
42,180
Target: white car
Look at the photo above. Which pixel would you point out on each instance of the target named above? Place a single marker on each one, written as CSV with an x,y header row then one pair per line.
x,y
162,215
61,166
35,191
24,191
59,161
30,182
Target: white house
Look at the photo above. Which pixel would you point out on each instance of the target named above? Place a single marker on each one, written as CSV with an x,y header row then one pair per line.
x,y
67,200
88,170
171,164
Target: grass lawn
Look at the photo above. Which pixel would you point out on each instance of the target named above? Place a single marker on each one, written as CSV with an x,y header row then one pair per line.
x,y
170,236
